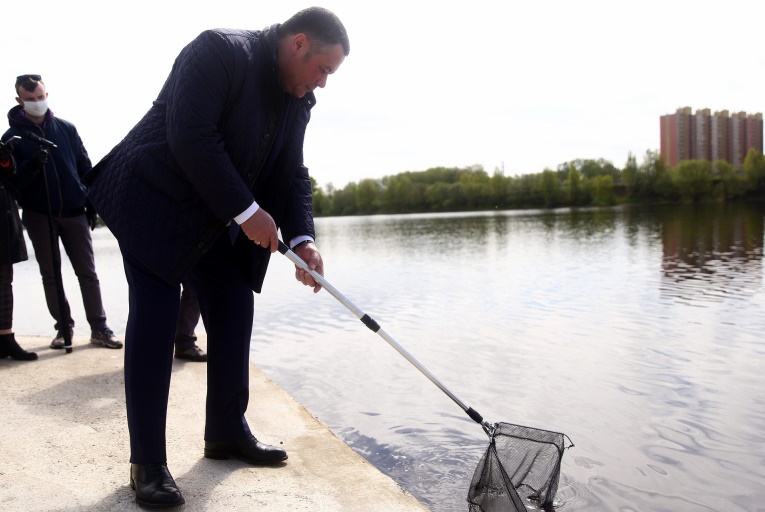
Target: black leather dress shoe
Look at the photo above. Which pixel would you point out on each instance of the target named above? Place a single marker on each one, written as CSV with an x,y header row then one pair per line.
x,y
154,486
247,449
193,353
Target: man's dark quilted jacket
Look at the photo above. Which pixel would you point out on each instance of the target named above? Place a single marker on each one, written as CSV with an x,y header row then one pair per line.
x,y
201,154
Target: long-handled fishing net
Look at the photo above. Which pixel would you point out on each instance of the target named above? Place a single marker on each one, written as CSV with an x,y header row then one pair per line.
x,y
521,464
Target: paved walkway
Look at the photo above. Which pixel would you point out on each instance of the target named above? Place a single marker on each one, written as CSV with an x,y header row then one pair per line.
x,y
64,443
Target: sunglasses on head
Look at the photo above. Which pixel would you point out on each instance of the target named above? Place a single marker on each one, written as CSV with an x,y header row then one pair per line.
x,y
25,78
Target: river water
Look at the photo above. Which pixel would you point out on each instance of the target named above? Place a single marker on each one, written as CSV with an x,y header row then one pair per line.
x,y
638,332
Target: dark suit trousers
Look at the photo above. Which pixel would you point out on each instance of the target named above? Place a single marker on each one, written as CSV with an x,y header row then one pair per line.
x,y
226,303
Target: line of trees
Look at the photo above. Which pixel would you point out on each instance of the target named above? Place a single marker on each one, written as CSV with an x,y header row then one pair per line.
x,y
576,183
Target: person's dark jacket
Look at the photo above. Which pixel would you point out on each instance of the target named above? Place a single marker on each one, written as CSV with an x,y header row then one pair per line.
x,y
13,249
200,156
65,166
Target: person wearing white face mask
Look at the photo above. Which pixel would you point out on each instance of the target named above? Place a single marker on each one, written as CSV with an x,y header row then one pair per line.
x,y
55,205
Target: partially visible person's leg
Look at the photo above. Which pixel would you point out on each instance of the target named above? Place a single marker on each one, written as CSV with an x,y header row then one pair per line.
x,y
6,298
148,360
8,344
75,236
148,365
39,232
188,318
226,302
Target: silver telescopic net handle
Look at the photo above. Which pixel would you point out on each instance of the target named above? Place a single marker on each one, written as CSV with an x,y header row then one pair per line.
x,y
375,327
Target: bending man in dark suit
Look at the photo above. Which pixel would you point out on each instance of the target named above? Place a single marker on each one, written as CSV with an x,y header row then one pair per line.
x,y
197,190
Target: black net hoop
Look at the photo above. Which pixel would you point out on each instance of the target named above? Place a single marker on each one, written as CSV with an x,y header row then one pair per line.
x,y
520,467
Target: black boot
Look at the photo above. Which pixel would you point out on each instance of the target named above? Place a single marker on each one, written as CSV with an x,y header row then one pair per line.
x,y
9,347
154,486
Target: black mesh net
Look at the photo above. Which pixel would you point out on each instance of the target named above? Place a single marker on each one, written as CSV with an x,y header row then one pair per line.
x,y
520,469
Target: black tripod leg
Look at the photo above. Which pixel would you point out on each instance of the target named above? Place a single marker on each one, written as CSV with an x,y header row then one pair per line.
x,y
63,306
64,313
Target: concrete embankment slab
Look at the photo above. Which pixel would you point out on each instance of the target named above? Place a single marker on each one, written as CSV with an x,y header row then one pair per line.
x,y
64,443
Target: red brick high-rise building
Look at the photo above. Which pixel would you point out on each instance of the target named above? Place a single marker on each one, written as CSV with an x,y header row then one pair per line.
x,y
753,133
719,136
707,136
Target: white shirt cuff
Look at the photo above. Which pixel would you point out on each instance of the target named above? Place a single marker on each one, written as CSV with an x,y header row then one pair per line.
x,y
299,239
249,212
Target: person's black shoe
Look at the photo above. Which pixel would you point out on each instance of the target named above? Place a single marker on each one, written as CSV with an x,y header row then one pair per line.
x,y
193,353
105,337
10,347
247,449
154,486
58,341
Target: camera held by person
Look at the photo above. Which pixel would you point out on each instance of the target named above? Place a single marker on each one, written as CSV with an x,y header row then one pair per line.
x,y
7,163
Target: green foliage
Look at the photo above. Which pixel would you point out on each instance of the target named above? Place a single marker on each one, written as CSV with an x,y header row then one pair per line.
x,y
550,188
693,180
589,168
603,190
582,182
728,184
344,201
573,186
754,168
630,171
642,181
367,197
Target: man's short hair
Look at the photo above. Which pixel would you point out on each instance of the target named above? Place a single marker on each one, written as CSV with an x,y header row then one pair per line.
x,y
28,82
322,27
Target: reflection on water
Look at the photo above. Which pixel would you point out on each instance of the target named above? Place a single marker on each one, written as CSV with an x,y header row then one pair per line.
x,y
710,255
635,331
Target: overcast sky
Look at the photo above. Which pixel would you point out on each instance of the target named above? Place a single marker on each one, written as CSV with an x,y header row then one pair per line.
x,y
520,85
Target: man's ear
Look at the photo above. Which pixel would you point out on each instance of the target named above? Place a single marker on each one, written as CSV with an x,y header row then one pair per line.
x,y
18,100
299,44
